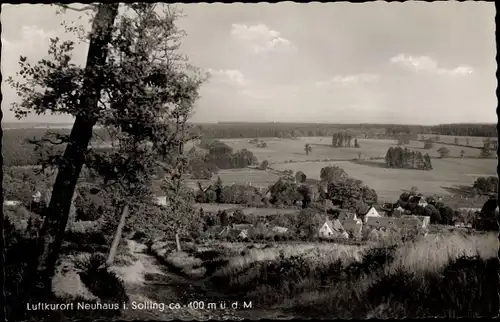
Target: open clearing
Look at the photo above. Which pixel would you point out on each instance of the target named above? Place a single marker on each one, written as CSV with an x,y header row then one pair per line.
x,y
389,183
281,150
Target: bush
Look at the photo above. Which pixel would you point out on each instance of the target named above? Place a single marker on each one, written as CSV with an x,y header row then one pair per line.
x,y
138,235
102,282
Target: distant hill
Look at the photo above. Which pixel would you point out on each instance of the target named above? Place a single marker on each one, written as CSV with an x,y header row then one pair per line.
x,y
32,125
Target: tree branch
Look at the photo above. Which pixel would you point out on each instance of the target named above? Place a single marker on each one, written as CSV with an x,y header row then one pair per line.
x,y
66,7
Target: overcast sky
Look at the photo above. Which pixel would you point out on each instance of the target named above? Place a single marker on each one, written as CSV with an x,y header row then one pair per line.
x,y
411,62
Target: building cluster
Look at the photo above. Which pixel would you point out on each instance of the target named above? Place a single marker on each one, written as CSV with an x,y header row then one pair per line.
x,y
349,225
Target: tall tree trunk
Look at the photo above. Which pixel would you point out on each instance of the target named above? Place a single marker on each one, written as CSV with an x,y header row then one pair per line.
x,y
118,235
69,169
2,268
178,242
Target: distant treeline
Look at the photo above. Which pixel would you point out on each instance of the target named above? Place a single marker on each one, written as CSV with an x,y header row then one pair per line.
x,y
253,130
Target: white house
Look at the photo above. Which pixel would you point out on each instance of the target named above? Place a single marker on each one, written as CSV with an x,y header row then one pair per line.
x,y
332,229
279,229
37,196
12,203
371,213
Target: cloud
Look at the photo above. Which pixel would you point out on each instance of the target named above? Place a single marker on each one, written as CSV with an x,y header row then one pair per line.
x,y
261,38
428,65
349,80
228,76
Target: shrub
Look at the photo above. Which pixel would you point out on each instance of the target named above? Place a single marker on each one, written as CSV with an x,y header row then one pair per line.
x,y
102,282
139,235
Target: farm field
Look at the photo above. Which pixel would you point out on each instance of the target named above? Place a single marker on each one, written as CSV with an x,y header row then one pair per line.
x,y
389,183
281,150
475,141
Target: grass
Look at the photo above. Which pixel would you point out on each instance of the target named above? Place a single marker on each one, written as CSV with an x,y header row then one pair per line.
x,y
448,173
339,281
389,183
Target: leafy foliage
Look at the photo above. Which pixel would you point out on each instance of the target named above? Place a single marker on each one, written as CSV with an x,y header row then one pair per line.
x,y
397,157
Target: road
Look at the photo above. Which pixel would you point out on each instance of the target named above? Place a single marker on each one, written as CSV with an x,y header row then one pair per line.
x,y
163,286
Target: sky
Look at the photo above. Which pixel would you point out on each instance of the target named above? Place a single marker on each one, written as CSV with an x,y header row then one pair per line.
x,y
377,62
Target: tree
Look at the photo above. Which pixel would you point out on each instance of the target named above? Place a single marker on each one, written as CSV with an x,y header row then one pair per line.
x,y
300,177
306,195
389,157
218,187
428,144
486,185
433,213
308,148
443,152
223,218
284,192
309,221
333,174
446,215
264,165
485,152
133,83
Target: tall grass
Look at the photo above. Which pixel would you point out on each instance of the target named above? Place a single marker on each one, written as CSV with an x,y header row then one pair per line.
x,y
434,252
447,275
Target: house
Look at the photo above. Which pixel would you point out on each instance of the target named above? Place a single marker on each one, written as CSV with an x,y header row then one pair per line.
x,y
391,222
372,212
398,212
216,230
37,197
12,203
424,220
279,229
240,231
332,228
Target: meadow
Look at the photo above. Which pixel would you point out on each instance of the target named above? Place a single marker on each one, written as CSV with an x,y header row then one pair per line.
x,y
390,183
281,150
288,154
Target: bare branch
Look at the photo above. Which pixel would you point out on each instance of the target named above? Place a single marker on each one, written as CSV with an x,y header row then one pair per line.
x,y
67,7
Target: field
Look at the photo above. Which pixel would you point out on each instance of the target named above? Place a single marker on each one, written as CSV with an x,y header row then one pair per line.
x,y
281,150
389,183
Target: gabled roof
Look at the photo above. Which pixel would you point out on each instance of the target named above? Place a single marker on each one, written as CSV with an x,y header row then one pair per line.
x,y
242,226
279,229
334,225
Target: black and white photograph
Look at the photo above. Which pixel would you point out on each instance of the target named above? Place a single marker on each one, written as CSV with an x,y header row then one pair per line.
x,y
211,161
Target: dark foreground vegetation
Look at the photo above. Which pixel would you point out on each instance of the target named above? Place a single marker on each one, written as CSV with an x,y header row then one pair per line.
x,y
328,285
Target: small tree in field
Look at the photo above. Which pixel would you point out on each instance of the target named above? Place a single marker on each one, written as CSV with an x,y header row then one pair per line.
x,y
308,148
443,152
136,84
428,144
